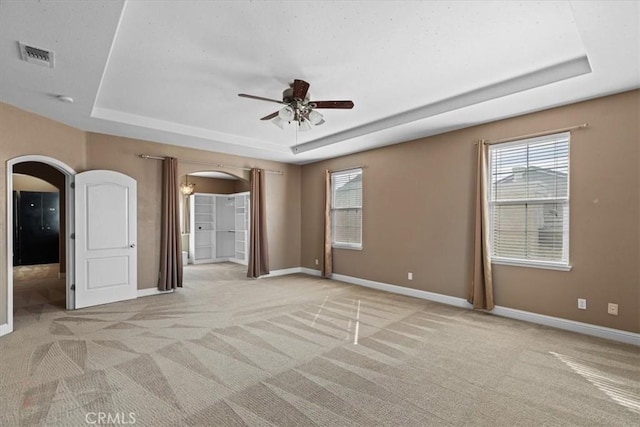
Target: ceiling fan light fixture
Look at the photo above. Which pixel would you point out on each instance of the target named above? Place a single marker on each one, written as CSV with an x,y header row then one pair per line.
x,y
315,118
304,125
287,114
278,122
298,107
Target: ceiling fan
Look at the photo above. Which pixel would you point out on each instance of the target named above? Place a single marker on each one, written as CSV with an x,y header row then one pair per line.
x,y
298,107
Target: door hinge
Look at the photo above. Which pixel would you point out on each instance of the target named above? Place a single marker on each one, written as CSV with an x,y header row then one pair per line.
x,y
73,185
73,287
72,236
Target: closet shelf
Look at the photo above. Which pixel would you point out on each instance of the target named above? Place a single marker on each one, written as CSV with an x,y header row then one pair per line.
x,y
219,227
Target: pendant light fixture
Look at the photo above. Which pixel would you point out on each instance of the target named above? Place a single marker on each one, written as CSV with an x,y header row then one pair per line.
x,y
186,188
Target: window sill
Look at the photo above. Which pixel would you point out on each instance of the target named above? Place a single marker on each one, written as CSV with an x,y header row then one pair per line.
x,y
346,246
531,264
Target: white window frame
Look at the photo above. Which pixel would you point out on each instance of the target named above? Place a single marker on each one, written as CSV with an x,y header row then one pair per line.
x,y
563,265
334,243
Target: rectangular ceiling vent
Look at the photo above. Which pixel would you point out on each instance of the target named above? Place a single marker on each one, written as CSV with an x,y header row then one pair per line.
x,y
36,55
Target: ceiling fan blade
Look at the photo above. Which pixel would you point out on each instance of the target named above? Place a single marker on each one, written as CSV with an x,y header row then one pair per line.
x,y
332,104
259,98
270,116
300,88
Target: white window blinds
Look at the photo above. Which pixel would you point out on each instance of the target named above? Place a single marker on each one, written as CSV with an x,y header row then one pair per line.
x,y
346,208
529,199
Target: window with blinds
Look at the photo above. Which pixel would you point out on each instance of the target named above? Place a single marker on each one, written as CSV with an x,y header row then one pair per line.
x,y
528,200
346,208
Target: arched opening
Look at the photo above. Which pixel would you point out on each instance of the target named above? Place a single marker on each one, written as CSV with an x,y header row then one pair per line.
x,y
215,223
38,222
32,173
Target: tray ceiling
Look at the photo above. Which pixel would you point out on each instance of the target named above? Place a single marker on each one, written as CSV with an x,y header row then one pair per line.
x,y
170,71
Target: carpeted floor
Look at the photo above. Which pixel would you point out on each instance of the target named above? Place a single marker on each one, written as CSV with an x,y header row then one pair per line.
x,y
299,350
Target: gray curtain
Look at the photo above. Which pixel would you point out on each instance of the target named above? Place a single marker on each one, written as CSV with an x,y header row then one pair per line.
x,y
170,244
327,254
258,242
481,293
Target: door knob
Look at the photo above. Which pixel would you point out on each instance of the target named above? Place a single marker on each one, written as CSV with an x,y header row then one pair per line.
x,y
133,245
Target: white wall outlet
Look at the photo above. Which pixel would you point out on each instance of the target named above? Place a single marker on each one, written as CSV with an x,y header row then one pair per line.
x,y
582,303
612,309
410,276
316,261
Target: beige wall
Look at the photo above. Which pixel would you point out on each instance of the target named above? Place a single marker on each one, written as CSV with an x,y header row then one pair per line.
x,y
418,215
30,183
241,186
212,185
23,133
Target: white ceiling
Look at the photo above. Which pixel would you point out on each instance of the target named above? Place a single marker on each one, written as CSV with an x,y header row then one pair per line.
x,y
170,71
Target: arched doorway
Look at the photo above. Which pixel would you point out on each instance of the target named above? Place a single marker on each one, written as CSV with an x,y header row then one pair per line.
x,y
67,221
39,205
215,217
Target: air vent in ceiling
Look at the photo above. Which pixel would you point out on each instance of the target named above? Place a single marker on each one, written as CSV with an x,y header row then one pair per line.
x,y
36,55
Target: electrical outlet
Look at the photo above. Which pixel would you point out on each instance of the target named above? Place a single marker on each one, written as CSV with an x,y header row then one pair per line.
x,y
582,303
612,309
410,276
316,261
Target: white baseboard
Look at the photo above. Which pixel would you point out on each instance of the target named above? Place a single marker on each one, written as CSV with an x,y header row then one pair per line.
x,y
311,271
401,290
152,291
293,270
569,325
5,329
282,272
541,319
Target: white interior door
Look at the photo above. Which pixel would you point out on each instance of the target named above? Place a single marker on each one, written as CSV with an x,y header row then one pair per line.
x,y
106,254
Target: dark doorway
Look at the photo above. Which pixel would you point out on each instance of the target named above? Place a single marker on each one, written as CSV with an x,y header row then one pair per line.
x,y
36,228
39,219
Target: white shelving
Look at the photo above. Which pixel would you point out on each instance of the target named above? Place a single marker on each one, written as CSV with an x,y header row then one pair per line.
x,y
225,207
241,227
202,242
219,228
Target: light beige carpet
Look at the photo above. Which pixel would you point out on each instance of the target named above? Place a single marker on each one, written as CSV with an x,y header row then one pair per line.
x,y
297,351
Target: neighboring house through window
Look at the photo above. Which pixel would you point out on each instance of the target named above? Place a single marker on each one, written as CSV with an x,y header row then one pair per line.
x,y
346,209
529,201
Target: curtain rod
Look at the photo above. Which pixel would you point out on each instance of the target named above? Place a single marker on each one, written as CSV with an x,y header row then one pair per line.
x,y
533,135
216,165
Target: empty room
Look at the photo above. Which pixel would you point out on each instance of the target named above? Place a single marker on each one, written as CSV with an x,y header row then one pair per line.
x,y
322,213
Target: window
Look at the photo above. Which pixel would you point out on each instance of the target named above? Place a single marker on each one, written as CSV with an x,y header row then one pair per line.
x,y
346,209
529,201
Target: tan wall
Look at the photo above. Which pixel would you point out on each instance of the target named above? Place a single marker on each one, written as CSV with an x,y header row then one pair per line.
x,y
23,133
122,155
212,185
241,186
418,215
30,183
